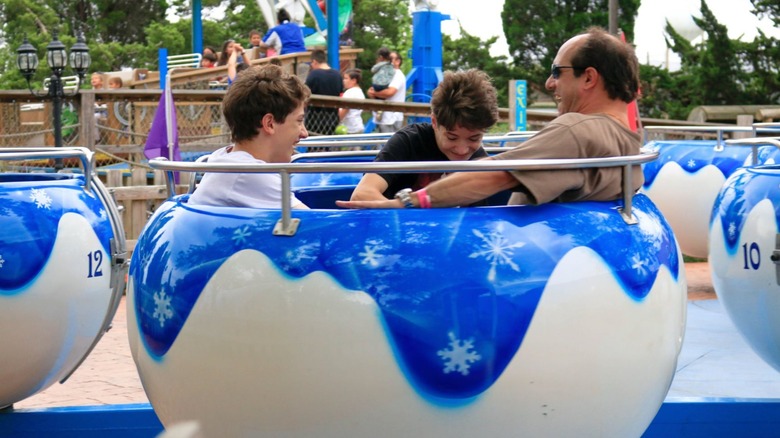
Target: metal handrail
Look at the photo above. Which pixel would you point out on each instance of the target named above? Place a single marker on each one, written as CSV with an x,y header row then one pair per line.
x,y
85,156
381,139
371,136
191,60
754,143
285,169
719,130
366,153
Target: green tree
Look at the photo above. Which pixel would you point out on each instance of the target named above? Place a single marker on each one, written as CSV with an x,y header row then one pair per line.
x,y
121,21
469,51
663,94
762,83
769,8
712,70
32,19
240,18
535,29
715,71
115,31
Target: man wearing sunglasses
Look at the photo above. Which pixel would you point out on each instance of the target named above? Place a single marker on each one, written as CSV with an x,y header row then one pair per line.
x,y
593,78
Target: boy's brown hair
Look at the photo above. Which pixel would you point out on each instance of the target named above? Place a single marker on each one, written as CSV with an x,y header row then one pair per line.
x,y
258,91
467,99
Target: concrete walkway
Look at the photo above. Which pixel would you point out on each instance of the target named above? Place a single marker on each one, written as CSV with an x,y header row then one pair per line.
x,y
107,376
714,362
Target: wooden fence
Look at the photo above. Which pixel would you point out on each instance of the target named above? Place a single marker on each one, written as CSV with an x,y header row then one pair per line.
x,y
138,193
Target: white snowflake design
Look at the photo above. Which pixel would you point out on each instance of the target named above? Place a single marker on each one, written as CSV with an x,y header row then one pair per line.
x,y
639,264
497,250
691,163
240,235
162,308
370,257
324,179
304,252
458,356
732,229
2,260
41,198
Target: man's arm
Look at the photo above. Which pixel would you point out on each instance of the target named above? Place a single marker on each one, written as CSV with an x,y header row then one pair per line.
x,y
232,61
273,41
370,188
384,94
462,188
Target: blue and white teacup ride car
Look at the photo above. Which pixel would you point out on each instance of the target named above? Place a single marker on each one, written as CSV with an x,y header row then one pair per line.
x,y
688,175
551,320
62,270
745,253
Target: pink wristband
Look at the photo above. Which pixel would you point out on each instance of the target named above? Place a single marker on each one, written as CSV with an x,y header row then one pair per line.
x,y
423,198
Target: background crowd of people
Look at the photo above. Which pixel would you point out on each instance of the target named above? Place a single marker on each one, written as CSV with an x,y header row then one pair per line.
x,y
388,81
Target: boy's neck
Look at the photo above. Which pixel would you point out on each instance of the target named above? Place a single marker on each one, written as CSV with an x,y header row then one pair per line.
x,y
254,147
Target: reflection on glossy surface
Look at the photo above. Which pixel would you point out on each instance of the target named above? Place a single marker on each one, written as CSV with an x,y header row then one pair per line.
x,y
55,270
449,321
686,179
742,239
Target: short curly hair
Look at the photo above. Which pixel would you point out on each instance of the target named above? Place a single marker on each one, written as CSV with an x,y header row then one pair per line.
x,y
467,99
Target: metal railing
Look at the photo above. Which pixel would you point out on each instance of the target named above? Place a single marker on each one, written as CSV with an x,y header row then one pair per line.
x,y
719,131
378,140
286,226
754,143
191,60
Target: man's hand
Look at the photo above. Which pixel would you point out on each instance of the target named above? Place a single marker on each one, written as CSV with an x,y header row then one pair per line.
x,y
387,203
371,93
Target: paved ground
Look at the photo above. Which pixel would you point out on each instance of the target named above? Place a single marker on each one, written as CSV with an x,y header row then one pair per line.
x,y
109,376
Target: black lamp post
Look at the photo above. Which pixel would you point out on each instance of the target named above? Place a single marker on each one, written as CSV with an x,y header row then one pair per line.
x,y
57,58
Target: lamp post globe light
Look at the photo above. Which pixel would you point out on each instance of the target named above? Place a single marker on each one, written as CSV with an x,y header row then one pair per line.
x,y
57,58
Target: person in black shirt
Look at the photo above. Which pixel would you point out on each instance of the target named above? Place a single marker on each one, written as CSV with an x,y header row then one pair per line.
x,y
464,106
325,81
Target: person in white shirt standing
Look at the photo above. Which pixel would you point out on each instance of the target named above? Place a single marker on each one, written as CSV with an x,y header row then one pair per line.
x,y
395,92
351,118
264,109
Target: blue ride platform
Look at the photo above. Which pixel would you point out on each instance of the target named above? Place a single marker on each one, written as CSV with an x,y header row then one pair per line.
x,y
721,389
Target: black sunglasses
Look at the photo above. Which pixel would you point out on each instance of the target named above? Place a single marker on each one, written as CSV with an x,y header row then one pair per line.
x,y
555,71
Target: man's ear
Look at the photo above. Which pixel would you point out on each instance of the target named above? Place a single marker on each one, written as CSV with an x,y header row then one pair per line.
x,y
591,77
434,122
267,123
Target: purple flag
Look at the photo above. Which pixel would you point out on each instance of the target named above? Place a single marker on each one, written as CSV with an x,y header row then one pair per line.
x,y
158,143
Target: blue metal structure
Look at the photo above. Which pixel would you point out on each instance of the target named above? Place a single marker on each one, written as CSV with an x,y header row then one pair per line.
x,y
317,14
333,33
197,27
426,54
162,58
692,418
